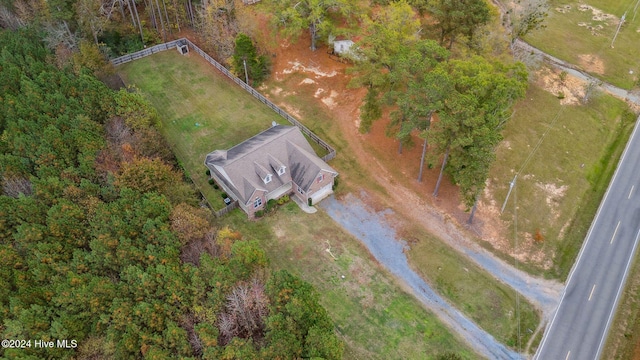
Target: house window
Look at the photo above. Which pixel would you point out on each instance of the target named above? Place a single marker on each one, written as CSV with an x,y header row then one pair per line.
x,y
320,177
281,170
267,179
257,202
300,190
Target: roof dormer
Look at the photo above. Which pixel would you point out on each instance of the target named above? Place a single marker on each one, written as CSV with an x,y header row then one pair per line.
x,y
264,174
277,165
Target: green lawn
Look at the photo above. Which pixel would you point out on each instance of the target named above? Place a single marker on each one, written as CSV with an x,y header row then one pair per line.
x,y
200,110
465,284
565,39
558,192
375,318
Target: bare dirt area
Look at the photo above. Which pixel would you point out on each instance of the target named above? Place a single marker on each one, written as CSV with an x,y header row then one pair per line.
x,y
298,69
568,88
327,80
591,63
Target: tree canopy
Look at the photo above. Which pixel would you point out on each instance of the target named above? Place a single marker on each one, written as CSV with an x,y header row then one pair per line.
x,y
317,16
478,100
100,241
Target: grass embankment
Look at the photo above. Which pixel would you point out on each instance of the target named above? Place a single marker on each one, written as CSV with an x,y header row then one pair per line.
x,y
567,37
376,318
559,190
624,335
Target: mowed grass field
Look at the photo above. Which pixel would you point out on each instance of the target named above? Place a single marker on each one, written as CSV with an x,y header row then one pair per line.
x,y
568,37
200,110
375,317
558,191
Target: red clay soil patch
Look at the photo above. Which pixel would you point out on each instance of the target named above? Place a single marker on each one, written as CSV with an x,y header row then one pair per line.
x,y
374,151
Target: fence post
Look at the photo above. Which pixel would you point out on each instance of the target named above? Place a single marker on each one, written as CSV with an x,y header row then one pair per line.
x,y
168,45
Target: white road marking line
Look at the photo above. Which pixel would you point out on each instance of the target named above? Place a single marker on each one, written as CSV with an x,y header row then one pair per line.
x,y
568,354
614,233
592,289
630,192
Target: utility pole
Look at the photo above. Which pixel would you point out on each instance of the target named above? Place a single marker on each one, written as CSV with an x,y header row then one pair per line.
x,y
511,185
246,75
619,26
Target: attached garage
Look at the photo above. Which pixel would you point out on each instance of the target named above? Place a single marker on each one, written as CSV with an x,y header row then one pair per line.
x,y
322,193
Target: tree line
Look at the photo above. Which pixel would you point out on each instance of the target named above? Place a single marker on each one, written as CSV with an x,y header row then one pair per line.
x,y
457,100
102,241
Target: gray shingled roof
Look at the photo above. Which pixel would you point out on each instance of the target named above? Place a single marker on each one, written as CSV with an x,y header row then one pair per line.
x,y
244,166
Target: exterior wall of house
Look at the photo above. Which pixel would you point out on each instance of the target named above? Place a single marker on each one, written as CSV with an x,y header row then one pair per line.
x,y
327,180
250,208
279,192
296,192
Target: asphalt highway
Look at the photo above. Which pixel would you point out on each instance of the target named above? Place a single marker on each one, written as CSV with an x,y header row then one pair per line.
x,y
581,323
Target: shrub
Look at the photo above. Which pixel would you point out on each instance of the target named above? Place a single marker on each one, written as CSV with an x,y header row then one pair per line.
x,y
259,213
335,184
212,182
223,195
283,200
270,204
560,95
215,186
208,172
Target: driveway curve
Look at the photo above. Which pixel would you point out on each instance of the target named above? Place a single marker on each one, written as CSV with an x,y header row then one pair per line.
x,y
382,241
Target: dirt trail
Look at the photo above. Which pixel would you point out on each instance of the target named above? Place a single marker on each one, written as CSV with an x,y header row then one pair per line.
x,y
375,152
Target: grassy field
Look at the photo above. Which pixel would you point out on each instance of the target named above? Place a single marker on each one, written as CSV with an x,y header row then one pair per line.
x,y
451,274
493,308
201,111
568,37
560,188
374,316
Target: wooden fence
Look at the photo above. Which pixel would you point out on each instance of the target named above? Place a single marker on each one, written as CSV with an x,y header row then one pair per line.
x,y
331,152
226,209
146,52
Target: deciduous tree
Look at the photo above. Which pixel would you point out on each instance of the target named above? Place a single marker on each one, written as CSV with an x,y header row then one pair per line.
x,y
315,15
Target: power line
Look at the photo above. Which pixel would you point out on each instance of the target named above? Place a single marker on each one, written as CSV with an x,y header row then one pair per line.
x,y
526,161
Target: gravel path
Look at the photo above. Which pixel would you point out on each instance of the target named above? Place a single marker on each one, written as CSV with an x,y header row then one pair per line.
x,y
380,238
573,70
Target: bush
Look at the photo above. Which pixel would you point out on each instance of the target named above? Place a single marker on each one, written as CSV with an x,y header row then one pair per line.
x,y
212,182
259,213
215,186
335,184
208,172
270,204
283,200
224,195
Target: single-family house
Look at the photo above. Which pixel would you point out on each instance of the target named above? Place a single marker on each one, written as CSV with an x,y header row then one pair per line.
x,y
274,163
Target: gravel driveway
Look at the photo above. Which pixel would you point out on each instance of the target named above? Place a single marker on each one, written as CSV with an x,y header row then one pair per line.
x,y
382,241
